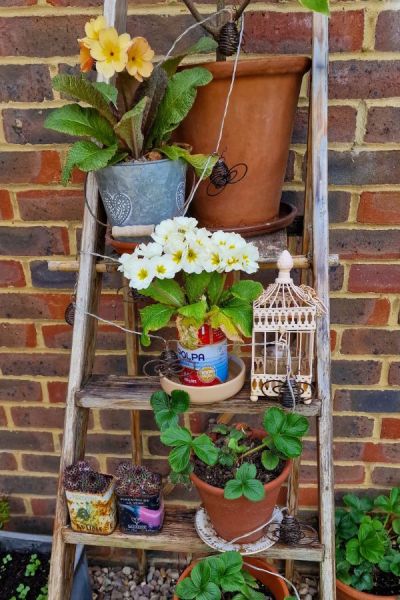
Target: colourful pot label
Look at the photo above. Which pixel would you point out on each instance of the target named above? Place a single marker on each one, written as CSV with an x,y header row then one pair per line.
x,y
140,515
204,366
93,513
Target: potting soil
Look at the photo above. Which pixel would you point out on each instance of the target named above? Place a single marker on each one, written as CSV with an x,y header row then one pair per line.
x,y
12,575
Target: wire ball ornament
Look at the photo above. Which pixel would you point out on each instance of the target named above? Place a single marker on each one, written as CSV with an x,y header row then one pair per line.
x,y
166,365
290,392
291,531
229,39
222,175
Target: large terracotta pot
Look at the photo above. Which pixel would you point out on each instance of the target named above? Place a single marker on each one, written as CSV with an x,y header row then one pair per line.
x,y
276,585
345,592
257,132
233,518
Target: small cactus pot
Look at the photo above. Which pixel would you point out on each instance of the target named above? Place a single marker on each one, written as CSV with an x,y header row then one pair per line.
x,y
93,512
140,515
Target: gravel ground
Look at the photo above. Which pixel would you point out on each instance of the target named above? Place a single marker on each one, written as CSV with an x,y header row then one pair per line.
x,y
118,583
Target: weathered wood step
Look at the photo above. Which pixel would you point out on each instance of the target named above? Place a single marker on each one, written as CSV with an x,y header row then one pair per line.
x,y
123,392
179,535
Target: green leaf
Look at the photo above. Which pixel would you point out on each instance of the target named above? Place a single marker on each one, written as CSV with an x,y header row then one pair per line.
x,y
186,590
245,472
269,460
180,400
396,526
241,315
215,287
288,445
203,164
177,102
179,458
87,156
372,546
196,285
296,425
253,490
321,6
176,436
155,316
203,45
205,449
220,428
364,504
109,91
274,419
196,311
73,119
80,88
154,89
246,290
220,321
233,489
232,562
353,554
166,291
167,409
129,128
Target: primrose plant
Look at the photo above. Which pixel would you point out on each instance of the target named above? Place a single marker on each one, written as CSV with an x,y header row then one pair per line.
x,y
368,539
282,442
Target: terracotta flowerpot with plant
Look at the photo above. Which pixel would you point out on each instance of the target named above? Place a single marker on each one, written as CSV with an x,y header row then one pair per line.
x,y
229,575
237,471
368,547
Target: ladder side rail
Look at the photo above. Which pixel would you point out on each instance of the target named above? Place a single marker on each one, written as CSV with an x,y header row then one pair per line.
x,y
321,281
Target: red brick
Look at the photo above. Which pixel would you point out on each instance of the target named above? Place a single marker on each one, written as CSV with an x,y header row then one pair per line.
x,y
20,484
364,78
98,443
40,463
42,525
390,429
370,341
20,391
6,211
383,125
365,311
375,278
60,336
341,124
382,208
26,126
308,496
57,391
8,462
42,277
3,417
387,476
35,364
43,507
387,35
17,2
333,337
365,243
389,453
114,420
336,276
33,241
11,274
370,401
106,364
29,167
26,440
25,83
13,335
364,168
394,373
348,451
33,306
342,474
111,307
352,427
355,372
17,505
51,205
38,417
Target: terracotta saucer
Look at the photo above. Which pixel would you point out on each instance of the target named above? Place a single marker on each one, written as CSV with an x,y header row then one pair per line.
x,y
120,247
287,213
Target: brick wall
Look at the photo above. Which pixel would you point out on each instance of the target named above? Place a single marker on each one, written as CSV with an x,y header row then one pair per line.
x,y
40,219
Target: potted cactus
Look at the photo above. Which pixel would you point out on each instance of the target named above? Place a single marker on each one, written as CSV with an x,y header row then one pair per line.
x,y
139,499
90,499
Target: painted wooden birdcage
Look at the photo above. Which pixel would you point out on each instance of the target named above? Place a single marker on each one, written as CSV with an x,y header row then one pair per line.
x,y
284,325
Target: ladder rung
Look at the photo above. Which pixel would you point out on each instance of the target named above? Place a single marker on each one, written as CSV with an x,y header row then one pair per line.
x,y
179,535
124,392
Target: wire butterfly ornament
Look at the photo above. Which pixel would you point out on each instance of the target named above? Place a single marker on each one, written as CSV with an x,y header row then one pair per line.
x,y
166,365
222,175
291,531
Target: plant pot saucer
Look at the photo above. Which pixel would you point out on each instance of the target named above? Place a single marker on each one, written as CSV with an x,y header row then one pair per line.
x,y
211,393
120,247
209,536
287,213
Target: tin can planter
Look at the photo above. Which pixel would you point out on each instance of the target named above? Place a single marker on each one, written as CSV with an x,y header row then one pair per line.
x,y
93,512
139,499
142,192
207,364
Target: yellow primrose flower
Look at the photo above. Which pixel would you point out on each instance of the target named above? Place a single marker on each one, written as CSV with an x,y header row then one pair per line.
x,y
92,30
110,51
86,61
140,56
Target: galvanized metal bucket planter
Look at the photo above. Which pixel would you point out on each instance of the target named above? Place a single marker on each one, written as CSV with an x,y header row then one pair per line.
x,y
143,192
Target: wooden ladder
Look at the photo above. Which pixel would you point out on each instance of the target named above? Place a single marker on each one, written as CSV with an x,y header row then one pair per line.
x,y
132,393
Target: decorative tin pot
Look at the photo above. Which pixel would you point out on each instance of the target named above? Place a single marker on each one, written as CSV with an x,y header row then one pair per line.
x,y
140,515
93,512
252,565
142,192
207,364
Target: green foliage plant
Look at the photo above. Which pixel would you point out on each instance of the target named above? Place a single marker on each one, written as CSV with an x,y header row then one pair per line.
x,y
32,566
4,512
214,575
282,442
125,121
368,539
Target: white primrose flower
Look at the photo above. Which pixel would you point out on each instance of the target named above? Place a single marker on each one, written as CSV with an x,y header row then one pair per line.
x,y
127,266
164,267
233,260
141,273
249,258
215,259
193,259
175,241
200,237
149,250
163,231
184,224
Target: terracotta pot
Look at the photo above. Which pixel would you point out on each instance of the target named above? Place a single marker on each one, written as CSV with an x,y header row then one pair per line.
x,y
276,585
257,132
233,518
345,592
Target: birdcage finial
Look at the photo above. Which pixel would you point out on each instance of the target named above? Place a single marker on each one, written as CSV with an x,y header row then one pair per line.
x,y
285,265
